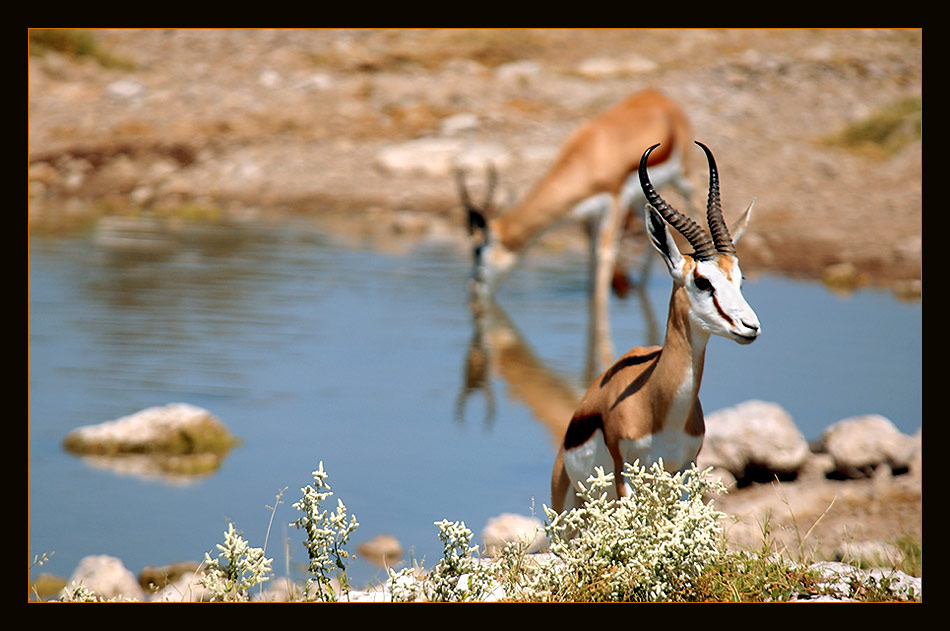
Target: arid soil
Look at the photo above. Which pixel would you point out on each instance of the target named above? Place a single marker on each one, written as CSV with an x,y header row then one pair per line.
x,y
296,120
260,123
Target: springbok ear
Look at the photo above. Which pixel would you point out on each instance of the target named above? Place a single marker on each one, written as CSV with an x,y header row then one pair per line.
x,y
740,225
662,240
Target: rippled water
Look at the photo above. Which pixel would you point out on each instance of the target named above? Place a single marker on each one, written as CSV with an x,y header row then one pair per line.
x,y
309,351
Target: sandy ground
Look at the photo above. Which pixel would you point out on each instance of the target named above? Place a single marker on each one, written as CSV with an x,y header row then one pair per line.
x,y
297,120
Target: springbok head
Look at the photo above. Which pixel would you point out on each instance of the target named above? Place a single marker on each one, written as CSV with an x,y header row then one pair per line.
x,y
710,274
490,258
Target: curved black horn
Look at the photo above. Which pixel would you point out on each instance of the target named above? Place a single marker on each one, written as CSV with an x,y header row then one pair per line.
x,y
697,238
476,214
489,190
717,225
463,191
492,181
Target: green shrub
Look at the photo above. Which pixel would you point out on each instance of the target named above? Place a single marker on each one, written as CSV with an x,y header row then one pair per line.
x,y
73,43
885,132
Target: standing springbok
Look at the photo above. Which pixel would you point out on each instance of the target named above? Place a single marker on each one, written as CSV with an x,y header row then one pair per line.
x,y
646,406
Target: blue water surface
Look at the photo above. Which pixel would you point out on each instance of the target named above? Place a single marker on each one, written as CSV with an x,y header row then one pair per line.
x,y
310,351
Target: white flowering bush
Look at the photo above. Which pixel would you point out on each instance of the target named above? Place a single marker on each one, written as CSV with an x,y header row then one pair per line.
x,y
407,585
78,593
661,543
326,538
459,576
645,547
237,569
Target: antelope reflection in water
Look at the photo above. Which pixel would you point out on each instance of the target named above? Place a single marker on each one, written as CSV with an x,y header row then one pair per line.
x,y
498,349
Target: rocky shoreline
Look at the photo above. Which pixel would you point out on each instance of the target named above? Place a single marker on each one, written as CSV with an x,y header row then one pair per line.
x,y
827,489
107,579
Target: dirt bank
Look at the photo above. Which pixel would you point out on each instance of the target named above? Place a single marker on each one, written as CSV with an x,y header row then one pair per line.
x,y
271,121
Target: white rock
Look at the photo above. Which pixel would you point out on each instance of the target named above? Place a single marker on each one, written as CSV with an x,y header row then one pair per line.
x,y
608,67
518,70
185,589
269,78
149,430
458,123
125,89
107,577
754,434
841,577
861,443
509,528
316,81
438,157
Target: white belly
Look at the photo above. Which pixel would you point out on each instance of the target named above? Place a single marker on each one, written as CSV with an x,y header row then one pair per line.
x,y
592,209
676,448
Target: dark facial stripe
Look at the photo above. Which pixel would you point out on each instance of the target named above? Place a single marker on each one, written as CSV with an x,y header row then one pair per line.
x,y
721,312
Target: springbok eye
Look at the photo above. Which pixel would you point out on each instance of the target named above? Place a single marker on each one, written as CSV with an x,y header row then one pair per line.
x,y
702,284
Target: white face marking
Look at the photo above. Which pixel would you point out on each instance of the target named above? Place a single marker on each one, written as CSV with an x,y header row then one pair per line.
x,y
718,306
